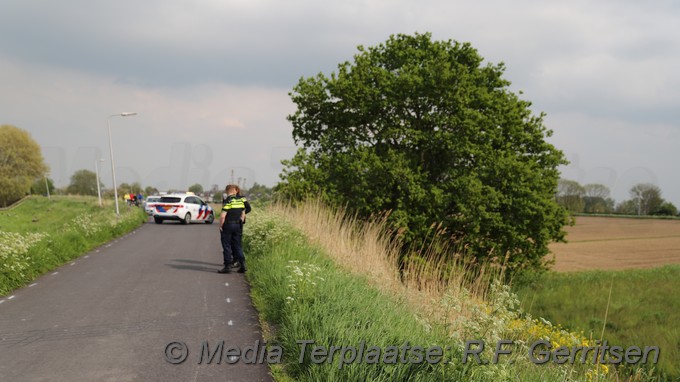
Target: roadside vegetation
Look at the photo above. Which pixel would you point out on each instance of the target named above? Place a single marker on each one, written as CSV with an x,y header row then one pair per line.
x,y
644,308
317,274
42,234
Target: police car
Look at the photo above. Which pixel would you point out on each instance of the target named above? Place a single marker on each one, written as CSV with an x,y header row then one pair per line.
x,y
187,208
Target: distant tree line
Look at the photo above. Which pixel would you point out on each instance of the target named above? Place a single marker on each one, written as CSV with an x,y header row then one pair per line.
x,y
256,192
645,199
84,182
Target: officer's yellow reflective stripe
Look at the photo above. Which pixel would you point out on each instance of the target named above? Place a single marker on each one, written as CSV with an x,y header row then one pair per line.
x,y
236,203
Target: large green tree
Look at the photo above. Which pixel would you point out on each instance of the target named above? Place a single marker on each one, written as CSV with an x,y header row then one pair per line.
x,y
21,162
83,182
423,129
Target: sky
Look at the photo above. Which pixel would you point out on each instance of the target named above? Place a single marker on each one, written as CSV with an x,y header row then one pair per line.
x,y
210,80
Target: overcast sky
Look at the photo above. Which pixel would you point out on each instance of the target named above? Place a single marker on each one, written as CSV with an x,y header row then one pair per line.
x,y
209,79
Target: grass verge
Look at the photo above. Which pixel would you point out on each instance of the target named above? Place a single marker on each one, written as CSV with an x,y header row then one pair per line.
x,y
42,234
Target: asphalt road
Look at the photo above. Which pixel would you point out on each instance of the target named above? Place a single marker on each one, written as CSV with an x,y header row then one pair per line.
x,y
114,314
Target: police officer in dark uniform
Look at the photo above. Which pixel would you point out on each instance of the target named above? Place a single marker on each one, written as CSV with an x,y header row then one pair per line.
x,y
231,228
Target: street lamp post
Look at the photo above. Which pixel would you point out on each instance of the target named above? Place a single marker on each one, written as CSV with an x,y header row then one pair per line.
x,y
96,171
113,168
47,187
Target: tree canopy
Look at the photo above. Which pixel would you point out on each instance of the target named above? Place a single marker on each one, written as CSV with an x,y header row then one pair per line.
x,y
260,193
423,129
150,190
647,198
21,162
570,195
40,186
83,182
596,199
127,188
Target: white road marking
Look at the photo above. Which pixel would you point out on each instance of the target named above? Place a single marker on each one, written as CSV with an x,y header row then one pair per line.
x,y
11,297
55,273
1,301
108,245
227,284
32,285
86,256
228,300
230,323
73,263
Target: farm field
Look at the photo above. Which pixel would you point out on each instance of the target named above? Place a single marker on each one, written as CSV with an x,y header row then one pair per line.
x,y
611,243
614,279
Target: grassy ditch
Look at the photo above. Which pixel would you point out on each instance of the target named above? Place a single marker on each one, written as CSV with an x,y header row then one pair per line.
x,y
42,234
643,310
316,276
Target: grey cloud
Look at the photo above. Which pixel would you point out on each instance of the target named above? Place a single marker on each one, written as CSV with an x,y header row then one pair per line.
x,y
608,60
170,44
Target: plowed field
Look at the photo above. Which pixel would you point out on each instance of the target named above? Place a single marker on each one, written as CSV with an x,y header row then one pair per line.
x,y
618,243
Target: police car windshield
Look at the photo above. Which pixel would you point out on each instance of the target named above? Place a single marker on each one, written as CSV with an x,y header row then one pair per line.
x,y
170,199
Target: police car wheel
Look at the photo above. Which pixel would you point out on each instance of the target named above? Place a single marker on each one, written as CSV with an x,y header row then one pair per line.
x,y
187,218
210,219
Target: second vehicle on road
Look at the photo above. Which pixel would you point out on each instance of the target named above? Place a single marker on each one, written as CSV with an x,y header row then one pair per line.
x,y
186,208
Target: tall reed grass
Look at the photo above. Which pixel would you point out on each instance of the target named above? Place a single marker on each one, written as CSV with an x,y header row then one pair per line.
x,y
432,273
